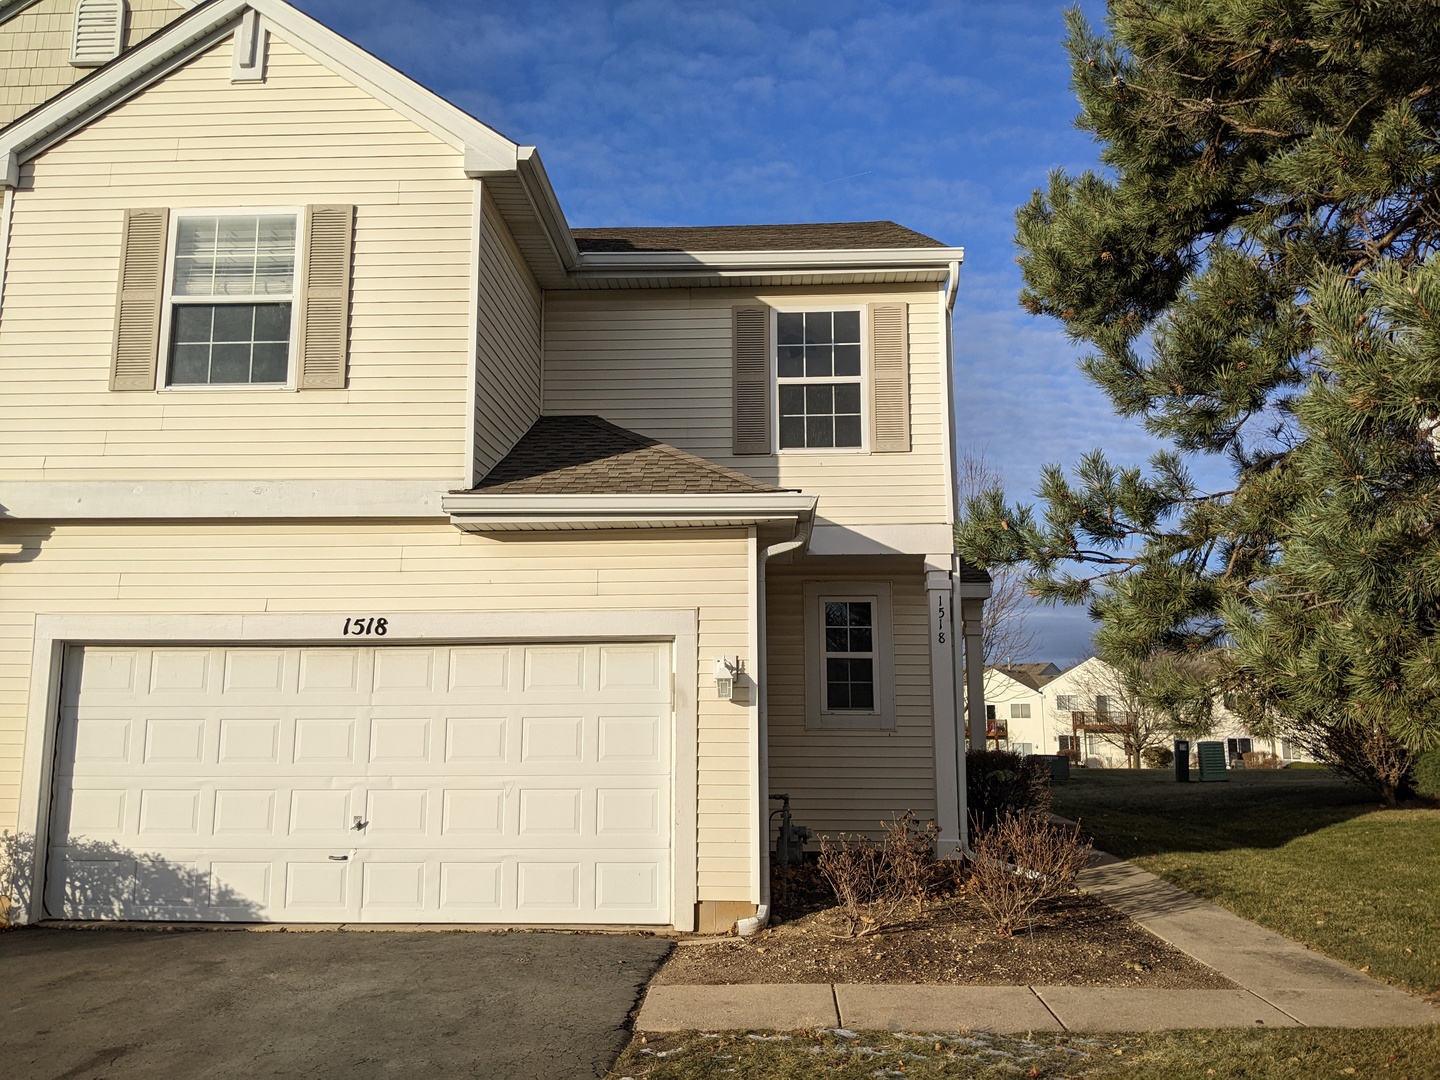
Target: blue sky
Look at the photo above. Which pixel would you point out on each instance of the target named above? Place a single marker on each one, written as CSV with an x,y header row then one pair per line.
x,y
943,116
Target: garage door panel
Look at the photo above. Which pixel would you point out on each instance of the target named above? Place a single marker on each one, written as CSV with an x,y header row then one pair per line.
x,y
489,783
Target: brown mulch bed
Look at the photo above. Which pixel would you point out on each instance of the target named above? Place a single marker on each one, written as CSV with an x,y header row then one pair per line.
x,y
1075,941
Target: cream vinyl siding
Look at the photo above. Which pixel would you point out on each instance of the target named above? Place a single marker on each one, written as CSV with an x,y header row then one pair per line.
x,y
35,49
850,781
141,568
507,392
660,362
195,140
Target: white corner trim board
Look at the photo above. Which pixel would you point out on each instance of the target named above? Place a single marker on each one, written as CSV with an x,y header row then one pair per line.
x,y
106,500
53,633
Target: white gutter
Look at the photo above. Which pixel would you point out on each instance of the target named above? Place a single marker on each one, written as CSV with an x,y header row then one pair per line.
x,y
479,512
753,925
952,286
7,209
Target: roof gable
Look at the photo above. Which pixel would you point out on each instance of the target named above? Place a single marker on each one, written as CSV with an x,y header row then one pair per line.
x,y
483,148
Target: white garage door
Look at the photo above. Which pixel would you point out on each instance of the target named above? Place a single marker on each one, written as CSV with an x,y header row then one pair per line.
x,y
514,784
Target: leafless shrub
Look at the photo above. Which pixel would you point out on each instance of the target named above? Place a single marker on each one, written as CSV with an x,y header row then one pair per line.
x,y
1262,759
1023,861
876,881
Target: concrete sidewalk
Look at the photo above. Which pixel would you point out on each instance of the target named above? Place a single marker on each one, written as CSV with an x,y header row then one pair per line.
x,y
1281,984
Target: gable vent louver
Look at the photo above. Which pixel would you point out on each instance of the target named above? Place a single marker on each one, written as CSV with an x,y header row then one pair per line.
x,y
99,32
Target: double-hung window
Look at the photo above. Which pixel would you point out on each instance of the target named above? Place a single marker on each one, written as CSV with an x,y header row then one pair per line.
x,y
849,659
231,298
819,378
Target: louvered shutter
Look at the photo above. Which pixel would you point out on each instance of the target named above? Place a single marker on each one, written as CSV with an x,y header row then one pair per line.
x,y
325,297
140,297
890,378
98,32
752,380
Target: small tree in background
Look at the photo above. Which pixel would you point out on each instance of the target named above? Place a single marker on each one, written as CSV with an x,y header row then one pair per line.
x,y
1005,635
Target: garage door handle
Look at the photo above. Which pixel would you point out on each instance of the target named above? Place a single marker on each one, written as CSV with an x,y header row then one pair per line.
x,y
339,858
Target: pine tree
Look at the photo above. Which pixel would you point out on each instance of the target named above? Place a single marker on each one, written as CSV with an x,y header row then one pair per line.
x,y
1252,275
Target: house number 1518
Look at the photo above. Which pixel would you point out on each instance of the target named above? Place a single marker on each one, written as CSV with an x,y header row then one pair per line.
x,y
366,627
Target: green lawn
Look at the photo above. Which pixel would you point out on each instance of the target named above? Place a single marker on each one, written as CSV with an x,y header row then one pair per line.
x,y
1295,850
1294,1054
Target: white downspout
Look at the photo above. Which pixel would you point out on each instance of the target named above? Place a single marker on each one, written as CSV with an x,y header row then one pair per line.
x,y
750,927
7,210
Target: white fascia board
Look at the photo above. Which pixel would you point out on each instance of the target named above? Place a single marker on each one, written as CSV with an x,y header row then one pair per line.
x,y
623,263
508,513
163,51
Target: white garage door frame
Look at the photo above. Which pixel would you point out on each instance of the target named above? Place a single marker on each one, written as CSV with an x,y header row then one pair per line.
x,y
54,633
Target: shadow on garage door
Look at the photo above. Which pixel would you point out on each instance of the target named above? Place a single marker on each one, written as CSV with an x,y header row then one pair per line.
x,y
192,1003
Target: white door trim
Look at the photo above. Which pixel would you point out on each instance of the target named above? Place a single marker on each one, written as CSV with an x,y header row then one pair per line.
x,y
54,632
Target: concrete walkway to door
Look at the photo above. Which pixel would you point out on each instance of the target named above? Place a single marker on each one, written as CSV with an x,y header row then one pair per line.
x,y
199,1003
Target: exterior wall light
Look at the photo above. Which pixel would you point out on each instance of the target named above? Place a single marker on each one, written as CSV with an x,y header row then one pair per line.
x,y
726,672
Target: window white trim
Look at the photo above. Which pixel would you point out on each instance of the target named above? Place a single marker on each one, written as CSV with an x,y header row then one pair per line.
x,y
169,301
863,379
817,716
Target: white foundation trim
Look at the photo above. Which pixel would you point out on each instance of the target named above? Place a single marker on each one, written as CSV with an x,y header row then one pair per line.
x,y
58,500
54,632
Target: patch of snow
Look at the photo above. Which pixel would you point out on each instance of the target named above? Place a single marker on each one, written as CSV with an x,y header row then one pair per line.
x,y
768,1038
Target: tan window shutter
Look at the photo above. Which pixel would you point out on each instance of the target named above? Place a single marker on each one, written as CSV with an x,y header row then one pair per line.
x,y
141,295
752,380
325,297
890,378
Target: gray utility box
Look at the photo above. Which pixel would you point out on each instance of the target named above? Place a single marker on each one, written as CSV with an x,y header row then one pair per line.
x,y
1212,761
1182,760
1059,767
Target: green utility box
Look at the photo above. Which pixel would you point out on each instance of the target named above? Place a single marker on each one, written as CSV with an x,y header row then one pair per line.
x,y
1212,761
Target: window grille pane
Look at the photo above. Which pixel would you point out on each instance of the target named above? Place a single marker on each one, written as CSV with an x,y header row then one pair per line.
x,y
235,256
837,614
819,362
190,365
819,431
228,344
847,328
850,684
819,328
790,328
792,432
847,431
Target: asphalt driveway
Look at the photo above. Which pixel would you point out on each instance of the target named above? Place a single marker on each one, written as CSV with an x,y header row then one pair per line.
x,y
90,1004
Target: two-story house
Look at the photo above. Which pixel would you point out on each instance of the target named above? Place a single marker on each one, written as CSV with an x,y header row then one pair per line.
x,y
374,546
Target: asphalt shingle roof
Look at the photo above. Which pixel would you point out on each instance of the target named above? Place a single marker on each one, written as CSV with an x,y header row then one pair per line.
x,y
585,455
824,236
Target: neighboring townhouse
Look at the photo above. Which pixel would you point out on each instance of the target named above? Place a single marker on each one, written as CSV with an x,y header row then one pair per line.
x,y
1088,705
1015,707
376,547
